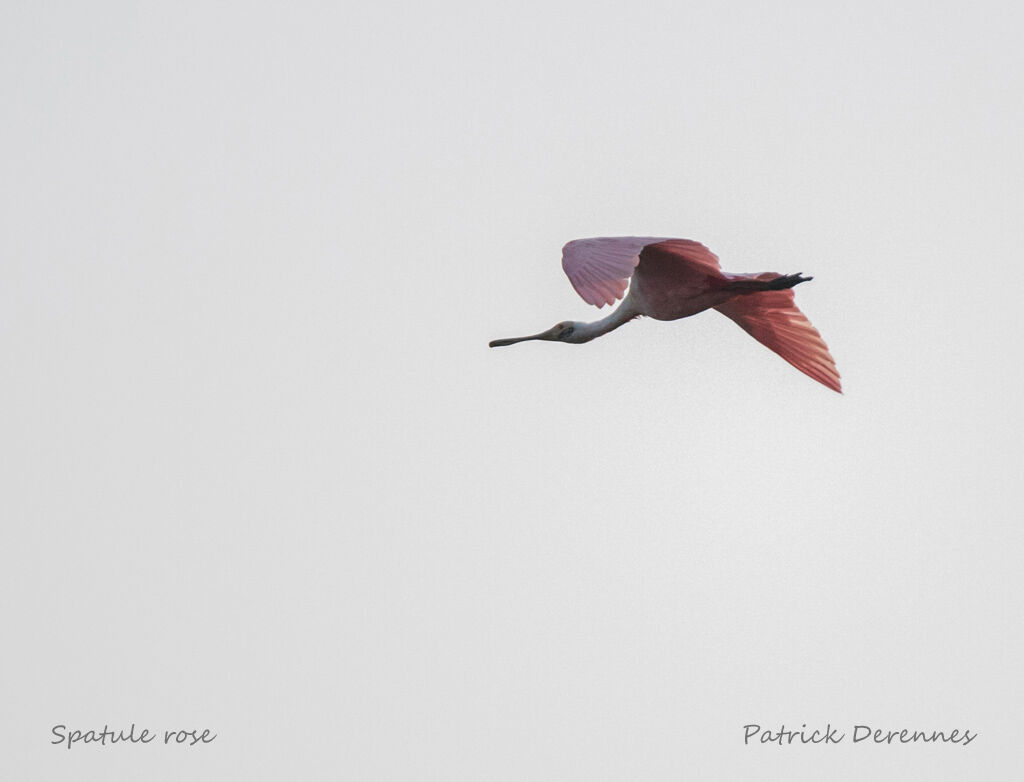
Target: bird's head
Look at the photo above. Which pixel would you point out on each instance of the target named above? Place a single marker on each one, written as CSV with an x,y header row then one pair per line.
x,y
566,331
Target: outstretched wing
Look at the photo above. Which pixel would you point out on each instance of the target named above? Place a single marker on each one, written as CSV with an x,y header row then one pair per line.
x,y
773,319
694,255
599,269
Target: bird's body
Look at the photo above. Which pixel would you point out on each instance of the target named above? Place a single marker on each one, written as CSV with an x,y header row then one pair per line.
x,y
669,279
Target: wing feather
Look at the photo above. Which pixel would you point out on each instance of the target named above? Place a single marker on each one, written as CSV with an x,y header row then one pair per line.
x,y
774,320
599,269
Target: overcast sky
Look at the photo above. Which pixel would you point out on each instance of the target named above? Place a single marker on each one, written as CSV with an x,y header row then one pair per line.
x,y
261,473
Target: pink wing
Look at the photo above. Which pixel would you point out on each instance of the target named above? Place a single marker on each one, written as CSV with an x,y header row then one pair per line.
x,y
599,269
773,319
694,254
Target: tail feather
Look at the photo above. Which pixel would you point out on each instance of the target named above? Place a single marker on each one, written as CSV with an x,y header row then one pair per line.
x,y
769,281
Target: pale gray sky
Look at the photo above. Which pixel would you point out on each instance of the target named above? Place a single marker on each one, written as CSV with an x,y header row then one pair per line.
x,y
261,473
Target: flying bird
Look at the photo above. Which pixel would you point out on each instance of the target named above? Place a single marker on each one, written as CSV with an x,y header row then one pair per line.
x,y
669,279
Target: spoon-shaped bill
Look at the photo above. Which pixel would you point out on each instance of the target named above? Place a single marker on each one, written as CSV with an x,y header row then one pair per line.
x,y
548,335
498,343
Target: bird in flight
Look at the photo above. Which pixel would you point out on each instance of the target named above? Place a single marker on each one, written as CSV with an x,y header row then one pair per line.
x,y
669,279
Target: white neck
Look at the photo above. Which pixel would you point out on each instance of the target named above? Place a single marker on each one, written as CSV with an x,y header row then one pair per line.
x,y
624,313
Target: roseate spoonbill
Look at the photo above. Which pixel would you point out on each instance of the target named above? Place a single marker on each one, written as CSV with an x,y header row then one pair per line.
x,y
676,278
